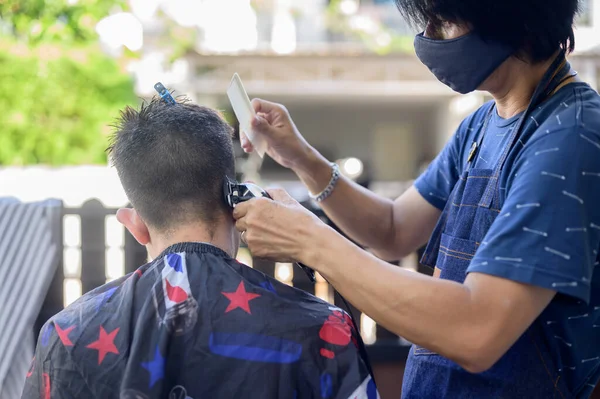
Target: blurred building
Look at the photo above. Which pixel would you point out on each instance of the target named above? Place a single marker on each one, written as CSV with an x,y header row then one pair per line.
x,y
344,68
347,99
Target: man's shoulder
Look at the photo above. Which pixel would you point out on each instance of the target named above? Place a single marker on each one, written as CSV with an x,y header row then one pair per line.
x,y
92,300
296,298
309,310
322,321
588,113
68,326
574,107
567,123
571,122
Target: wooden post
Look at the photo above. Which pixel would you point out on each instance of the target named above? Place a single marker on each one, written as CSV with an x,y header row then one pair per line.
x,y
93,245
135,253
263,265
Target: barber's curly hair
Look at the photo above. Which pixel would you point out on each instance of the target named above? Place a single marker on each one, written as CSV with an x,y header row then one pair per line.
x,y
536,28
172,161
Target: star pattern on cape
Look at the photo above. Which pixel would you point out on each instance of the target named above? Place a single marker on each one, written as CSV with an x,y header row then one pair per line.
x,y
268,286
64,334
31,368
239,299
46,335
156,367
105,343
104,297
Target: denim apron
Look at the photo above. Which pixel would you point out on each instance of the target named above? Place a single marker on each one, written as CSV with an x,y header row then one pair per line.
x,y
525,371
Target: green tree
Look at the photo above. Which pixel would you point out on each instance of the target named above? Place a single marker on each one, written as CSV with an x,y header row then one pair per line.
x,y
381,40
58,92
59,21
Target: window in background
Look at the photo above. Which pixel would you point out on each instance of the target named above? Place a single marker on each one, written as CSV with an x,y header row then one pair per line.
x,y
284,272
244,256
72,290
368,329
322,289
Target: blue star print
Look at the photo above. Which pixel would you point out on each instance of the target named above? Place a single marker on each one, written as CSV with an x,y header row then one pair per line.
x,y
174,260
104,297
46,334
268,286
155,367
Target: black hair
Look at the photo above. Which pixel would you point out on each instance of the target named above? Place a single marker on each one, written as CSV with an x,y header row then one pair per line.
x,y
535,28
172,161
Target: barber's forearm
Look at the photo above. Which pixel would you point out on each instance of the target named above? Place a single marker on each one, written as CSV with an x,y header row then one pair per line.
x,y
361,214
436,314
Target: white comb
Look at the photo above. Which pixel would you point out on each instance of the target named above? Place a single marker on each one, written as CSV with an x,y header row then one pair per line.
x,y
244,112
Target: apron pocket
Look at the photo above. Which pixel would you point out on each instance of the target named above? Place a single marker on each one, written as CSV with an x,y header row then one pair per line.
x,y
420,351
454,257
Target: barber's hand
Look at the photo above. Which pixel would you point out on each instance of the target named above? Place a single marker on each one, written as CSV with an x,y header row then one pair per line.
x,y
285,143
280,229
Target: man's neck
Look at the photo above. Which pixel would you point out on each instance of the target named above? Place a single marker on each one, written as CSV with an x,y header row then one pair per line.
x,y
224,236
513,85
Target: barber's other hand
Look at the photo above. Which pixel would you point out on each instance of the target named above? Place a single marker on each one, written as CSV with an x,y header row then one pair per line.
x,y
280,229
285,143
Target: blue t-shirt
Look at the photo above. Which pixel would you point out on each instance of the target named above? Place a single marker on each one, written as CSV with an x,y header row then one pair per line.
x,y
548,231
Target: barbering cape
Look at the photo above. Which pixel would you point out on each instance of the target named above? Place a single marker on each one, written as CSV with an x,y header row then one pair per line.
x,y
195,323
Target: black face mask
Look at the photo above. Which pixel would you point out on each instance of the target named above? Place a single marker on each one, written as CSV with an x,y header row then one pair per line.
x,y
462,63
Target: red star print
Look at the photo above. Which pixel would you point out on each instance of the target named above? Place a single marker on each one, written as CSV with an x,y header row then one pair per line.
x,y
47,389
30,372
336,330
239,299
64,334
327,353
105,344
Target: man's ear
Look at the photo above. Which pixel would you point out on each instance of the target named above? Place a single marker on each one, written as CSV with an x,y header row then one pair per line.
x,y
132,221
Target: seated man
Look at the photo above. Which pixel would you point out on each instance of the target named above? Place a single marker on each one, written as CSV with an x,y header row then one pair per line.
x,y
193,323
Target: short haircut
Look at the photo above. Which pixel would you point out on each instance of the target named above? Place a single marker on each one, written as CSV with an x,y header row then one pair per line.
x,y
172,161
535,28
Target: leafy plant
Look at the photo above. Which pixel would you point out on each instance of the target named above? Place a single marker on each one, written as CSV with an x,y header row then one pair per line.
x,y
376,36
55,20
56,105
57,89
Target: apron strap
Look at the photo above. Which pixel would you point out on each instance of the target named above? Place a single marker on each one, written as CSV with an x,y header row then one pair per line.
x,y
480,135
553,77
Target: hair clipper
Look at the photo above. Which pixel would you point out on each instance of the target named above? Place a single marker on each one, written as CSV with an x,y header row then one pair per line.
x,y
236,193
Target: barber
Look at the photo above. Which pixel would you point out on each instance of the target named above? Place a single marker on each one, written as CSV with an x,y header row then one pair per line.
x,y
511,209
